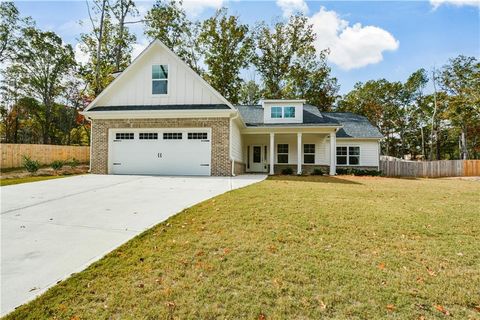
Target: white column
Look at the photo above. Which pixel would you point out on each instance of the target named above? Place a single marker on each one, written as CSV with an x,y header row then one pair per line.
x,y
299,153
272,152
333,153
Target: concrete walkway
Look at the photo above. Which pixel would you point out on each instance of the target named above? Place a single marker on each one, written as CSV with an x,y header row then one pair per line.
x,y
51,229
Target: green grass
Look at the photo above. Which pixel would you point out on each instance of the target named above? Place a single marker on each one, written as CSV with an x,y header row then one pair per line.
x,y
293,248
11,181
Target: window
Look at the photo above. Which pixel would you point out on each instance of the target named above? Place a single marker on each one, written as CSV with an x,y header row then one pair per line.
x,y
148,136
348,156
309,153
172,136
276,112
124,136
282,153
159,79
289,112
257,154
353,155
197,136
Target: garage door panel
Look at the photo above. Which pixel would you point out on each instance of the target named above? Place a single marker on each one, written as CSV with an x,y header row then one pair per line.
x,y
161,156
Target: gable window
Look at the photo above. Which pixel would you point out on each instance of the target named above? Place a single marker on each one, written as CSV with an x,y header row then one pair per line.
x,y
289,112
309,153
159,79
348,155
282,153
276,112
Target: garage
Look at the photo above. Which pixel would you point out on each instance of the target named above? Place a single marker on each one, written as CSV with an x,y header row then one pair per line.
x,y
160,151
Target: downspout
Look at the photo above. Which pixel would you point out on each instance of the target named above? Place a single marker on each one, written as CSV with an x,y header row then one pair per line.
x,y
230,148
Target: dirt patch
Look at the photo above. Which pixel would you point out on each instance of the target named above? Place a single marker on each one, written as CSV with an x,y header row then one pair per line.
x,y
46,171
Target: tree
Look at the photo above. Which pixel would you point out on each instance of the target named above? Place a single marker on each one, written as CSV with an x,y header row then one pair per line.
x,y
121,9
42,62
98,71
228,48
9,26
167,22
460,79
250,93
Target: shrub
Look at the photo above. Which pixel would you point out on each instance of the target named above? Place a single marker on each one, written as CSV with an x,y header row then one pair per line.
x,y
30,165
287,171
317,172
358,172
74,163
57,165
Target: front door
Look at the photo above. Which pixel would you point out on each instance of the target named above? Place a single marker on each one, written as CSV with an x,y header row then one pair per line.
x,y
258,159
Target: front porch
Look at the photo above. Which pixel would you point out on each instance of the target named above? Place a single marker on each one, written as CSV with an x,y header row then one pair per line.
x,y
303,151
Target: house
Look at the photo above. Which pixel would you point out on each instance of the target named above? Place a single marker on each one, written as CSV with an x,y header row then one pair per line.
x,y
160,117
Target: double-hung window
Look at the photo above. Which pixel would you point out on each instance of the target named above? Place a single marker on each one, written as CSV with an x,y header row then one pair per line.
x,y
276,112
309,153
282,153
348,155
159,79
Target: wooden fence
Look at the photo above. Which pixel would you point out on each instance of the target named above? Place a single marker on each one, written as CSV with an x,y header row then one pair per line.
x,y
12,154
431,169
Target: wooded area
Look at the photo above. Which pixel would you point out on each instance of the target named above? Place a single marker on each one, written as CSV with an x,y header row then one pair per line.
x,y
43,87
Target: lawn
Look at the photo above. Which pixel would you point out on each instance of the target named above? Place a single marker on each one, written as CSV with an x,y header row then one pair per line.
x,y
10,181
293,248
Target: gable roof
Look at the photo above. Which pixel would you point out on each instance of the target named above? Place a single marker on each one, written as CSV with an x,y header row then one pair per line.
x,y
351,125
154,43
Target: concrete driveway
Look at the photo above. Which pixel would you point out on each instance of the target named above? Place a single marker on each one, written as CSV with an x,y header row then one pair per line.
x,y
51,229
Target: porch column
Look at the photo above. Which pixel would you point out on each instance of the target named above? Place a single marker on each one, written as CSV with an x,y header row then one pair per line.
x,y
299,153
272,152
333,153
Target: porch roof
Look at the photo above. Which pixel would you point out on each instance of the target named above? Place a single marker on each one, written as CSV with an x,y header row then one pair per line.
x,y
351,125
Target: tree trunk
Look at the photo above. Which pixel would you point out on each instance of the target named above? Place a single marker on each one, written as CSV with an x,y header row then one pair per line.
x,y
99,50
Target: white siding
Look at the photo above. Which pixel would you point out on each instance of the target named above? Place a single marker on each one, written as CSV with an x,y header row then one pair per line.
x,y
267,114
369,153
236,142
135,87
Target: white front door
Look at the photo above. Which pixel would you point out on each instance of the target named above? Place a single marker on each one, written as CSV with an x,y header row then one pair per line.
x,y
258,158
160,151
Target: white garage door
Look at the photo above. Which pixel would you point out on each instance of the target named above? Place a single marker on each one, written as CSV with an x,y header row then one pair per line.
x,y
160,151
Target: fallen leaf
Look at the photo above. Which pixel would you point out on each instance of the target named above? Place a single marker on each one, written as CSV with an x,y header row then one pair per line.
x,y
442,310
477,307
431,272
390,307
323,306
170,304
381,266
141,285
261,316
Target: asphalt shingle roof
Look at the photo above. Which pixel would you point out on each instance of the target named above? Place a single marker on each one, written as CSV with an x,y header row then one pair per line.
x,y
353,125
162,107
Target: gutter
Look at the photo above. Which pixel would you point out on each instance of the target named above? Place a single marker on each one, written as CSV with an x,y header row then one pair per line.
x,y
230,142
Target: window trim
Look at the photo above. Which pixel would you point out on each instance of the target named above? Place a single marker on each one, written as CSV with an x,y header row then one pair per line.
x,y
167,80
309,153
283,153
348,155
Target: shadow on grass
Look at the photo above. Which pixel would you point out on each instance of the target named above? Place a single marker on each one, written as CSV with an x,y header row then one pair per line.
x,y
320,179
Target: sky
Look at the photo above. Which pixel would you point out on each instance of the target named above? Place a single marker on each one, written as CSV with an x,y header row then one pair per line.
x,y
367,39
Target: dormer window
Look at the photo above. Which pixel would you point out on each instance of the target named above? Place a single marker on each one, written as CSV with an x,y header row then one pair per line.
x,y
276,112
159,79
289,112
282,112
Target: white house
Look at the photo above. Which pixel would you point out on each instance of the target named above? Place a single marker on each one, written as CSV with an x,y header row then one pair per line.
x,y
160,117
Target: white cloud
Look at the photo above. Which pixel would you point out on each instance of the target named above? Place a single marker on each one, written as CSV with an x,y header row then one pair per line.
x,y
290,7
350,46
80,56
195,7
458,3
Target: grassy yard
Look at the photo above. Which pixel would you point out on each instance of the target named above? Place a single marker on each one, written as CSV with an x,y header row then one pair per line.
x,y
293,248
10,181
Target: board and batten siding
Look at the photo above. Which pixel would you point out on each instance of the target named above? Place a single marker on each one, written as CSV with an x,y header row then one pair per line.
x,y
135,87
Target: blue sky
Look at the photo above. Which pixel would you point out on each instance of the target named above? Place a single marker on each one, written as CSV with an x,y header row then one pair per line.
x,y
368,39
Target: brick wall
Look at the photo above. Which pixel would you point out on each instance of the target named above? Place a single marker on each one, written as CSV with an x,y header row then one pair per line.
x,y
239,167
221,165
